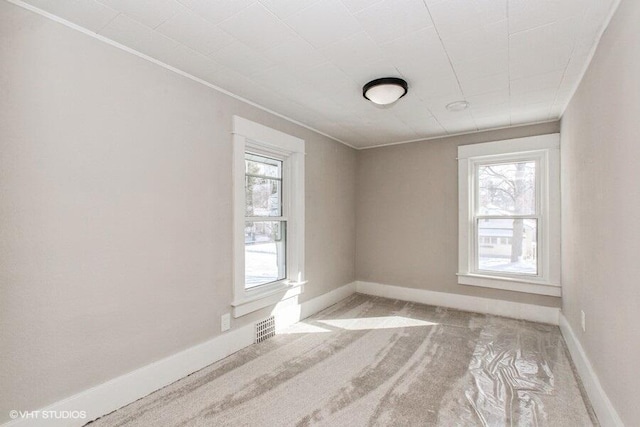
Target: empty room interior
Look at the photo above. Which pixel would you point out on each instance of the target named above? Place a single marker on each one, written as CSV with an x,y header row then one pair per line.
x,y
319,212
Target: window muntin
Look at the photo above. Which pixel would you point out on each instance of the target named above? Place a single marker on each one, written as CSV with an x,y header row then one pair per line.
x,y
265,252
505,219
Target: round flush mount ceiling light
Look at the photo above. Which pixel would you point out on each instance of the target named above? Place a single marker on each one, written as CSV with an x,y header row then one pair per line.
x,y
458,106
385,91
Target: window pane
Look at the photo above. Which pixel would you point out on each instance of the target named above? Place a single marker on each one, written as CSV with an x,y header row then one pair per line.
x,y
508,245
507,189
265,166
263,196
264,252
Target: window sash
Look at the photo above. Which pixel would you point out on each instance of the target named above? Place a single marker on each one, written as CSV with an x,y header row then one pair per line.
x,y
475,248
283,218
476,163
252,281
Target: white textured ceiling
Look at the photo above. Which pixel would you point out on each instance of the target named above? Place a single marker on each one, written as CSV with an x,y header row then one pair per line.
x,y
514,61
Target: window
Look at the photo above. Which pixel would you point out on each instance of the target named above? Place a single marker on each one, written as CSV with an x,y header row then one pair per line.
x,y
509,215
268,216
265,243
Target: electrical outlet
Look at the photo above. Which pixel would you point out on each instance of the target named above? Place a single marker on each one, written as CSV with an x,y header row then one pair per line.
x,y
225,322
583,321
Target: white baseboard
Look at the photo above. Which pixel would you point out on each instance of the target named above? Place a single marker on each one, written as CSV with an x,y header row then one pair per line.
x,y
535,313
118,392
606,413
287,314
111,395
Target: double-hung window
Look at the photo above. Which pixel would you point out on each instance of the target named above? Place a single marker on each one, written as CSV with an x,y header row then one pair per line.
x,y
509,219
265,241
268,174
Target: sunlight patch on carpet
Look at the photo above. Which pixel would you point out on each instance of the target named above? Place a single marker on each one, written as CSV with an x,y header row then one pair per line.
x,y
368,323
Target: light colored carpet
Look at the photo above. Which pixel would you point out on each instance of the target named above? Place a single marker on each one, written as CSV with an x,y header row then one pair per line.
x,y
374,361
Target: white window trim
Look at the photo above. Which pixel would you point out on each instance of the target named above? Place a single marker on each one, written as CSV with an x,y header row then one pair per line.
x,y
254,137
546,149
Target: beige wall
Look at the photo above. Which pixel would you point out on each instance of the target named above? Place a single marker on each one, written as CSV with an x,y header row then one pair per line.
x,y
407,215
601,211
115,213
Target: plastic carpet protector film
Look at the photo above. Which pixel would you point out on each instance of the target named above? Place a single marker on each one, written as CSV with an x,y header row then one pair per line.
x,y
370,361
517,376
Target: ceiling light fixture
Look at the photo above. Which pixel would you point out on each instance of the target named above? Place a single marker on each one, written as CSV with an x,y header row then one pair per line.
x,y
458,106
385,91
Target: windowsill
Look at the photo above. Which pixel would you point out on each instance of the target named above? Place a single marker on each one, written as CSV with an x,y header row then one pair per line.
x,y
510,284
256,299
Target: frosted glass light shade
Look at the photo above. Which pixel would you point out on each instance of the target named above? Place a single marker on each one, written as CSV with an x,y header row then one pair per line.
x,y
385,91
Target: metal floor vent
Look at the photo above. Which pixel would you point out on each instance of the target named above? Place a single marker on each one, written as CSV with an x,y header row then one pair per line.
x,y
265,329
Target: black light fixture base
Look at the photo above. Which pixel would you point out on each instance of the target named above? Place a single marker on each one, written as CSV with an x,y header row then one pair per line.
x,y
385,81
